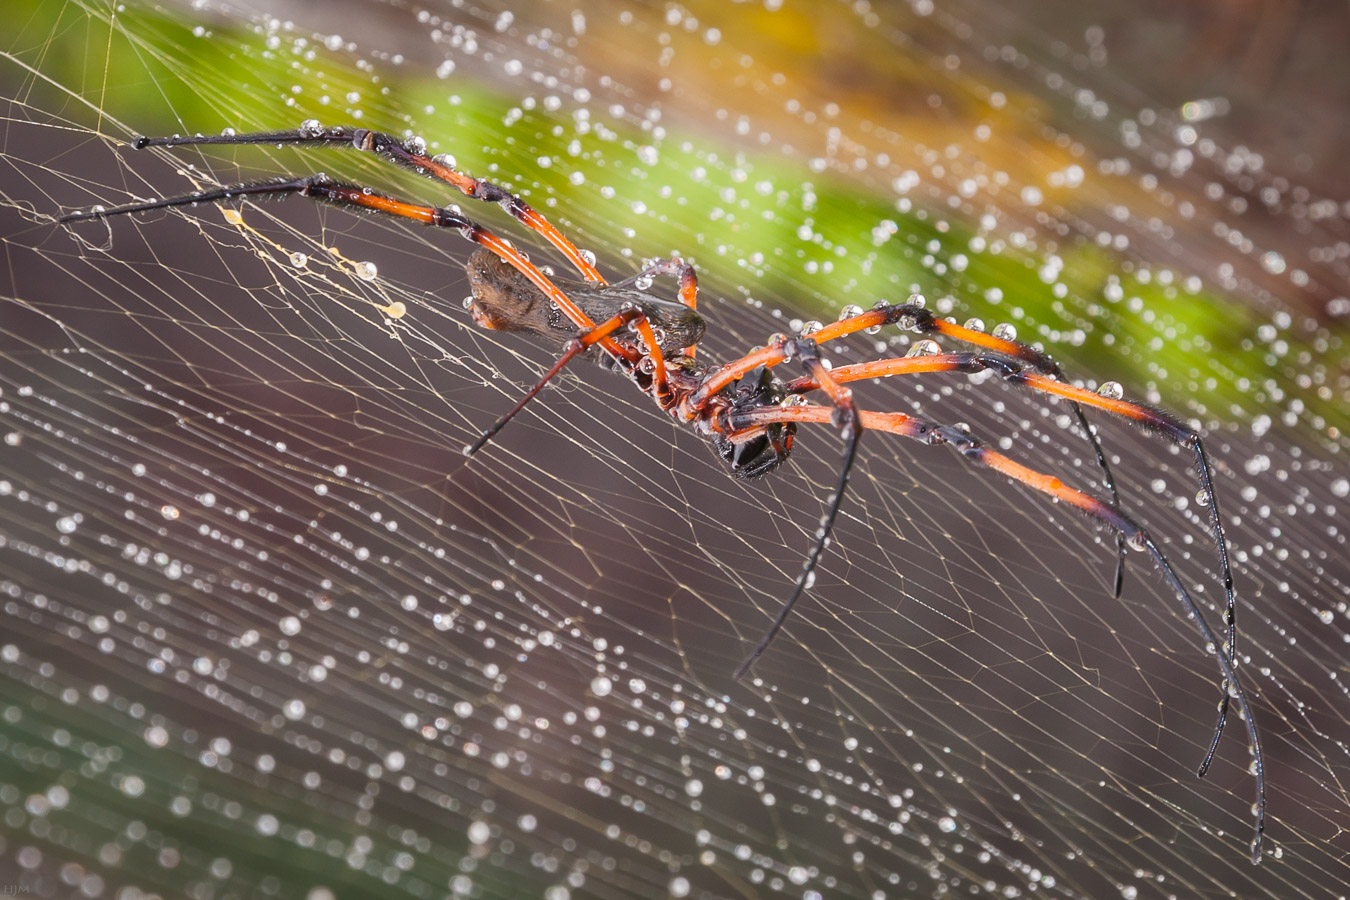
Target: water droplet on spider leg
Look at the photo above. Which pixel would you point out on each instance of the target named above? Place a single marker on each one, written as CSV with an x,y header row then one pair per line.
x,y
1111,390
416,145
811,326
1005,331
974,324
1202,497
850,311
1136,541
311,128
444,159
643,282
917,300
924,348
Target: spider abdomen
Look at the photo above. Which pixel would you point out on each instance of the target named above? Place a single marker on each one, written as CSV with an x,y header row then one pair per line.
x,y
504,299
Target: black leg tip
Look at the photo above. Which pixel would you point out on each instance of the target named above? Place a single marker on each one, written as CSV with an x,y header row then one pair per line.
x,y
1118,583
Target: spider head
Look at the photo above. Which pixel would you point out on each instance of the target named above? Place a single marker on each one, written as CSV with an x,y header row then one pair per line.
x,y
766,449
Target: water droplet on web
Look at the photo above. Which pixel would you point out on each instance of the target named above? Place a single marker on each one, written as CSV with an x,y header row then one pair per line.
x,y
367,271
299,260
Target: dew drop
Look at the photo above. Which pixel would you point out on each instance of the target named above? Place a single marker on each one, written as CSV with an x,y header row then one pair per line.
x,y
1005,331
1111,390
924,348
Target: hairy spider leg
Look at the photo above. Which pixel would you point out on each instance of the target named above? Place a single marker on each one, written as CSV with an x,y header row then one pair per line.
x,y
845,418
1151,419
321,187
974,451
577,346
921,320
677,268
398,152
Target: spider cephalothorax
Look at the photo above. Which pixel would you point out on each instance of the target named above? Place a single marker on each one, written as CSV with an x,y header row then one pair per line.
x,y
748,413
756,454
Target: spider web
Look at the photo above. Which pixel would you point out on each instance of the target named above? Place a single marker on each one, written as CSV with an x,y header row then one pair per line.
x,y
267,630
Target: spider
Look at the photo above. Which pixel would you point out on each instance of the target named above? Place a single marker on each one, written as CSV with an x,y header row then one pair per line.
x,y
748,413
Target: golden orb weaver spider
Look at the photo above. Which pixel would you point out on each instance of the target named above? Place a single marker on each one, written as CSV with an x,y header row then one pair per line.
x,y
748,413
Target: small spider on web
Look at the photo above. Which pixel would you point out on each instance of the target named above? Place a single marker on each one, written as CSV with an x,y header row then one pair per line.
x,y
748,413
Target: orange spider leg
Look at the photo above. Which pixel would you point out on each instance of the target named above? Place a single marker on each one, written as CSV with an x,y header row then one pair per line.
x,y
408,155
320,187
974,451
1150,418
677,268
574,348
